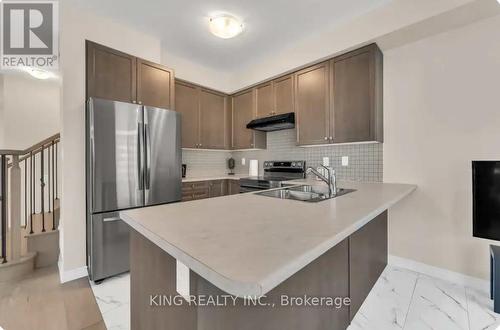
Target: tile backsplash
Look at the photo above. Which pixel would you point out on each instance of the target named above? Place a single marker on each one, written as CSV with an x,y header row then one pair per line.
x,y
365,160
202,163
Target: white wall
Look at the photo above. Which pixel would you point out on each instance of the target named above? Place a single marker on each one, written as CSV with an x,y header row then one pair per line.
x,y
349,35
441,110
2,131
196,73
76,26
30,110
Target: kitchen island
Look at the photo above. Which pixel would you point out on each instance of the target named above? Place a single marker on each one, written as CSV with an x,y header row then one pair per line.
x,y
248,245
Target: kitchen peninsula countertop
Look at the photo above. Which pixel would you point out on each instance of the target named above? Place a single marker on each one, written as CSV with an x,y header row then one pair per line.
x,y
247,244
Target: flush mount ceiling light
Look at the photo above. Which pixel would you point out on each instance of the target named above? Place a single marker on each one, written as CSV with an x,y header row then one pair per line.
x,y
225,26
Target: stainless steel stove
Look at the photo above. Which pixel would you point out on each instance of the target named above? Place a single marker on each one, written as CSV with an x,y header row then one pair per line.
x,y
275,174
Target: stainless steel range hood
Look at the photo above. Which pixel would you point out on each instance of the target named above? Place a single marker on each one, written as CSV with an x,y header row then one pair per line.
x,y
273,123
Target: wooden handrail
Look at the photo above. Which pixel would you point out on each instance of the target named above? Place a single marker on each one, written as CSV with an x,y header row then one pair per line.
x,y
34,147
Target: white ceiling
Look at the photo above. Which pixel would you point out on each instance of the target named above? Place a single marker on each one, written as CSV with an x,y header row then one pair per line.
x,y
270,26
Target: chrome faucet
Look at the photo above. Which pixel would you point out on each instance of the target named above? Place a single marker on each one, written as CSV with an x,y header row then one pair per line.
x,y
330,180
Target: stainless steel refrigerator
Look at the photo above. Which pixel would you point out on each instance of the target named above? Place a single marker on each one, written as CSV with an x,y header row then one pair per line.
x,y
133,158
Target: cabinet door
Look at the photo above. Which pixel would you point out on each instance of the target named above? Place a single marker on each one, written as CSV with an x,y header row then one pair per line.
x,y
234,187
187,191
243,113
213,120
110,74
216,188
187,103
155,85
283,95
264,100
357,89
312,104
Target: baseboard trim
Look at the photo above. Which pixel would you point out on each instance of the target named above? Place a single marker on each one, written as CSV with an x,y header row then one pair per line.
x,y
72,274
441,273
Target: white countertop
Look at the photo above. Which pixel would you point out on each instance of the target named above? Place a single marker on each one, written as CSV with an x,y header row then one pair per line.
x,y
247,244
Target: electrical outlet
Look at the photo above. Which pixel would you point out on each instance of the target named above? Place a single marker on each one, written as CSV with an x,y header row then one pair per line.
x,y
345,161
243,161
326,161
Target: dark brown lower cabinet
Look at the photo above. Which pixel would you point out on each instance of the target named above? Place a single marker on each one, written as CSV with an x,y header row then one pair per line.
x,y
233,187
208,189
349,269
194,190
216,188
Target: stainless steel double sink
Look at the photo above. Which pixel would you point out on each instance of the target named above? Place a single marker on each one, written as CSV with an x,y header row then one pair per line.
x,y
305,193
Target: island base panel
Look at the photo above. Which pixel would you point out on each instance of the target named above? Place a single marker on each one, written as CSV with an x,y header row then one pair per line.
x,y
367,259
153,273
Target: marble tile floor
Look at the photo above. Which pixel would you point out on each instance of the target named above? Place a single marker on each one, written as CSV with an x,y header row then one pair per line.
x,y
401,299
113,299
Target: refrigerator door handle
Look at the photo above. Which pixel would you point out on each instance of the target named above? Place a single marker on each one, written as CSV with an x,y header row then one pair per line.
x,y
139,155
148,156
91,154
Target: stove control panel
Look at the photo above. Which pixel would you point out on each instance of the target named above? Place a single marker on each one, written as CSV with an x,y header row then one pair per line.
x,y
285,164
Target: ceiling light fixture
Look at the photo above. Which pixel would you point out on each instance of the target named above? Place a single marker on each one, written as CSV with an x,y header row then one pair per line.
x,y
225,26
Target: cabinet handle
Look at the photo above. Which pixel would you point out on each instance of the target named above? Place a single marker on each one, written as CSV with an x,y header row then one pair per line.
x,y
133,101
251,144
140,102
326,138
331,138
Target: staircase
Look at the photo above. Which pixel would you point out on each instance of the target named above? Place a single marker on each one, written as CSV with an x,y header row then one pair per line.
x,y
29,208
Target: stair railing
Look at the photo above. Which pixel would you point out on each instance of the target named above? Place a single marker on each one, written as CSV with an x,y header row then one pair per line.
x,y
28,186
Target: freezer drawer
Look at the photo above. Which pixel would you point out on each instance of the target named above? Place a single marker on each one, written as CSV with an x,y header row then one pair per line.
x,y
109,242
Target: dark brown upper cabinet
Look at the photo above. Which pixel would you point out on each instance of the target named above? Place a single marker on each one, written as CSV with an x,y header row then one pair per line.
x,y
155,85
243,111
275,97
187,103
283,94
213,120
114,75
312,104
264,100
357,96
110,74
204,116
340,101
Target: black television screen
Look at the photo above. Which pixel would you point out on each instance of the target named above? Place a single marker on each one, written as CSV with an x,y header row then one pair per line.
x,y
486,199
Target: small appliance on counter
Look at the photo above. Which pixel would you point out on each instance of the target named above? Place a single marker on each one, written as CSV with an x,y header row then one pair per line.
x,y
184,169
275,173
230,165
